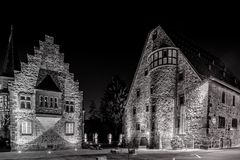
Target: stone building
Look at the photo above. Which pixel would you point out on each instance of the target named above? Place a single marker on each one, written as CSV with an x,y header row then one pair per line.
x,y
40,99
182,92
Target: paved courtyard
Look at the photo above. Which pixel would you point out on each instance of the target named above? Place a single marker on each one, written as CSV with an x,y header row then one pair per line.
x,y
84,154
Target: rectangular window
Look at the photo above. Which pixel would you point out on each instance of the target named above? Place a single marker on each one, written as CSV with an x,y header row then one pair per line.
x,y
223,97
69,128
26,128
164,60
138,93
138,127
182,120
170,60
46,101
134,110
174,53
234,123
169,53
25,102
56,102
51,102
165,53
155,63
221,122
41,101
69,106
160,54
180,76
146,72
153,108
181,99
233,101
174,61
155,56
147,108
160,61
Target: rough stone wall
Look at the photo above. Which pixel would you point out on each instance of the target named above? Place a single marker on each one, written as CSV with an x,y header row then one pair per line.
x,y
227,110
48,59
163,79
141,82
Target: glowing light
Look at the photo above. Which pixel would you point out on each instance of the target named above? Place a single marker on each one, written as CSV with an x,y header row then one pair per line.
x,y
49,152
19,151
75,149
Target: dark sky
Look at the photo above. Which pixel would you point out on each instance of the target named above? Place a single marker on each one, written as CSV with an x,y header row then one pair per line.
x,y
100,42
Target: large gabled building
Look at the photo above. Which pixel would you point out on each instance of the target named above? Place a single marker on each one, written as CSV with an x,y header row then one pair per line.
x,y
40,102
180,90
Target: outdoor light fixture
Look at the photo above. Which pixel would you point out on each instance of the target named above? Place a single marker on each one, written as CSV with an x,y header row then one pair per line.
x,y
49,152
75,149
19,151
214,120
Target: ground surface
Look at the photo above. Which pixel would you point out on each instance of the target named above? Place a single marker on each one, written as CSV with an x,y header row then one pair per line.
x,y
84,154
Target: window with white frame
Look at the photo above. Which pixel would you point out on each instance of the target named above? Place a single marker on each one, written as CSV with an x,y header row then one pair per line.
x,y
69,128
26,127
25,102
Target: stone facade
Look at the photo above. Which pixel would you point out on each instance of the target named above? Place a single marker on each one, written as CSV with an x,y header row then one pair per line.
x,y
170,97
40,123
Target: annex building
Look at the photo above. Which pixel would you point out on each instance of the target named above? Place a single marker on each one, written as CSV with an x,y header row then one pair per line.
x,y
40,102
180,91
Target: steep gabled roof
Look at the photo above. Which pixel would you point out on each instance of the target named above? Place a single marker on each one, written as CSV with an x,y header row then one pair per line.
x,y
48,84
11,60
205,64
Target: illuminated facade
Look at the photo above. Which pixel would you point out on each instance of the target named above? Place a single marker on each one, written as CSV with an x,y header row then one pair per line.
x,y
42,100
180,90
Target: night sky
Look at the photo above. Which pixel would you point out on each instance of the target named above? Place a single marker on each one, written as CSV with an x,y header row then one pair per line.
x,y
101,42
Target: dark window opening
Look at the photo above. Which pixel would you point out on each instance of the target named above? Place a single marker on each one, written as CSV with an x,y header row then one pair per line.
x,y
234,123
134,110
138,93
146,72
147,108
138,126
181,99
165,53
153,108
221,122
153,127
223,97
151,90
180,76
233,101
